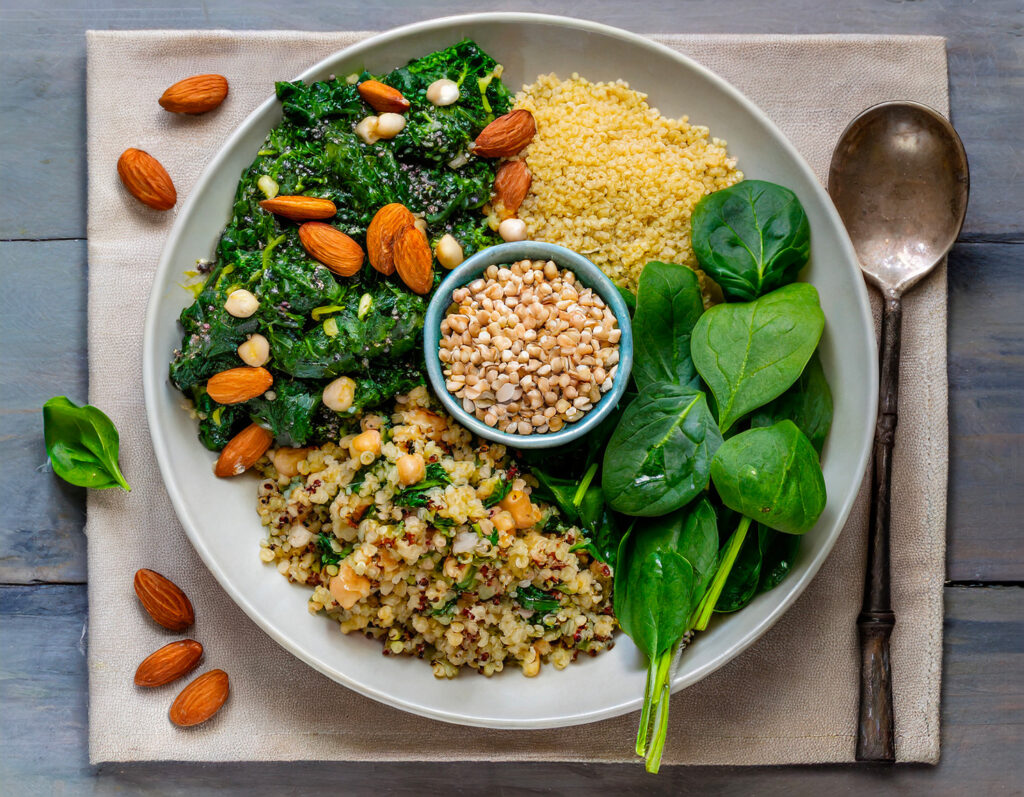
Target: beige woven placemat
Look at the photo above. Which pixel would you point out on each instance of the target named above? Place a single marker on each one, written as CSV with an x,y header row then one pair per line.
x,y
791,698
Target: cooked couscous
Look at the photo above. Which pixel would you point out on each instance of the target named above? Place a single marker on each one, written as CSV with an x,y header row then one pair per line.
x,y
415,533
613,179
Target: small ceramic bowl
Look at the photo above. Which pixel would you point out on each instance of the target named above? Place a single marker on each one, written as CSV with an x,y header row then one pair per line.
x,y
502,254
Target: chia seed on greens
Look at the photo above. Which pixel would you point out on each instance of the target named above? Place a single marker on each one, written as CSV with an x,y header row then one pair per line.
x,y
315,151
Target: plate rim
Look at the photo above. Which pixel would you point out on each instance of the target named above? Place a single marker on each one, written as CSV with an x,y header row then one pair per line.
x,y
152,383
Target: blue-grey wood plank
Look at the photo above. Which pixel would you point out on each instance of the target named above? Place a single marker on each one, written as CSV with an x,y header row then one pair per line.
x,y
42,59
986,413
43,728
42,354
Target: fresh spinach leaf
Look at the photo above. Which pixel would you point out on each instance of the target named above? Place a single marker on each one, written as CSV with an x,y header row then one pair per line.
x,y
668,304
328,556
742,583
83,444
629,298
779,556
751,238
808,404
772,475
557,491
750,353
659,457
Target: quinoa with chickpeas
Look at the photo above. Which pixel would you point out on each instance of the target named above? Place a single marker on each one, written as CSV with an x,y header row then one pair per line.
x,y
527,348
415,533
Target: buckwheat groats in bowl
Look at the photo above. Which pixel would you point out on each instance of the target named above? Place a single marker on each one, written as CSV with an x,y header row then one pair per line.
x,y
528,349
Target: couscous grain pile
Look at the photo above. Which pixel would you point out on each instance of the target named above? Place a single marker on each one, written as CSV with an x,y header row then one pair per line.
x,y
417,534
613,179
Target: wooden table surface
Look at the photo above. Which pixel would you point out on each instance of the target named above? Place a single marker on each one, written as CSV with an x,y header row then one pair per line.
x,y
43,610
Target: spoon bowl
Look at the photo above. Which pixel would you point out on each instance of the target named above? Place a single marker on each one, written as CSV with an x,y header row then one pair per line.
x,y
899,180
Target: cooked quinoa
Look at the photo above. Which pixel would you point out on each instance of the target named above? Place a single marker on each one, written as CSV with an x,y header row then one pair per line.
x,y
440,569
613,179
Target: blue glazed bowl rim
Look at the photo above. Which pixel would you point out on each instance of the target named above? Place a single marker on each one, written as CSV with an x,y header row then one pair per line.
x,y
502,254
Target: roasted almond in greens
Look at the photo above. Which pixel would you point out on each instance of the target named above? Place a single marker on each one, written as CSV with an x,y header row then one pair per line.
x,y
146,179
414,261
239,384
196,94
506,135
169,663
332,247
164,600
300,208
388,223
511,185
383,98
243,451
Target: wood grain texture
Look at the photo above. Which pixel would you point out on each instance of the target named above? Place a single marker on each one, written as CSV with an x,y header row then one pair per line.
x,y
42,689
986,418
45,175
42,339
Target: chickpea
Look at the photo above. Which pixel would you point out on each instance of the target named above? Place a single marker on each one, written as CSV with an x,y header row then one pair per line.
x,y
503,521
443,92
512,230
255,351
241,303
367,130
524,513
411,469
390,125
348,588
366,443
339,394
287,460
449,252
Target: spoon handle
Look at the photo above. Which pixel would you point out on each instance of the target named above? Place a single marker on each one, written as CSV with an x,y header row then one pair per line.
x,y
875,737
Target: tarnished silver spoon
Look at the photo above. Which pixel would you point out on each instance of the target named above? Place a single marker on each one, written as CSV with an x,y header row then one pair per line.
x,y
899,180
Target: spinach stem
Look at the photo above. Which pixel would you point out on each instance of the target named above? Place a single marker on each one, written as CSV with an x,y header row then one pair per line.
x,y
581,491
645,712
656,699
732,549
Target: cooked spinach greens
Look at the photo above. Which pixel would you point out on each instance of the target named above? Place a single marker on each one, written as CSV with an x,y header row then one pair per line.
x,y
320,326
415,495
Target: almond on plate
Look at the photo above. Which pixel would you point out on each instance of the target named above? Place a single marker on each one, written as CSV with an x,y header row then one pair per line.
x,y
506,135
300,208
243,450
146,179
236,385
196,94
164,600
414,261
201,699
169,663
382,97
388,223
511,185
332,247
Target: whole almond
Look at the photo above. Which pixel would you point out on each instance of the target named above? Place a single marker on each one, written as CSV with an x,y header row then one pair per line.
x,y
414,261
383,98
242,451
239,384
388,223
201,699
196,94
511,185
331,247
169,663
506,135
300,208
164,600
146,179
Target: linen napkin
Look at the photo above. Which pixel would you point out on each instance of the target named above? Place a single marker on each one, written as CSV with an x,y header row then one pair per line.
x,y
791,698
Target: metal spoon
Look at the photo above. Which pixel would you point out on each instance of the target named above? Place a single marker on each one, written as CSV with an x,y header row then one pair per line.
x,y
899,180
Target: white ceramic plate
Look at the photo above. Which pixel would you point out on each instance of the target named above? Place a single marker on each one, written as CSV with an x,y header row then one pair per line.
x,y
219,515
